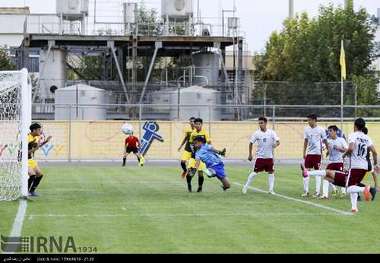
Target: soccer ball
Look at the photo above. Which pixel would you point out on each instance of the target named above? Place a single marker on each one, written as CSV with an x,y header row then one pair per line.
x,y
127,129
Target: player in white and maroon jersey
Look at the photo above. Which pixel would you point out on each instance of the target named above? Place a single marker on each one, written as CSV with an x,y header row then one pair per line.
x,y
337,147
266,140
312,152
359,145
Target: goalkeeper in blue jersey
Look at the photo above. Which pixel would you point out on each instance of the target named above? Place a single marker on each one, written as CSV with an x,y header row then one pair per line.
x,y
211,157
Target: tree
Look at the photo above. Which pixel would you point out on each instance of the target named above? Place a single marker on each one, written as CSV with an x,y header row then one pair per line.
x,y
5,62
307,51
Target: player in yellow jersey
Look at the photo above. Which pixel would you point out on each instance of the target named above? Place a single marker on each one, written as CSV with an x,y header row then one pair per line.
x,y
198,131
186,155
34,171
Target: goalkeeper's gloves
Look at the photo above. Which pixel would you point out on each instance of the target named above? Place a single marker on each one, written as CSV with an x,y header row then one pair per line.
x,y
223,152
210,172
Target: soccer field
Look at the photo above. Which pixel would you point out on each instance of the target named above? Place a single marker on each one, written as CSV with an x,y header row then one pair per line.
x,y
148,210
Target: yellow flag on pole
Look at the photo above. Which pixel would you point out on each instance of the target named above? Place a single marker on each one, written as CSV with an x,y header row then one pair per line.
x,y
343,62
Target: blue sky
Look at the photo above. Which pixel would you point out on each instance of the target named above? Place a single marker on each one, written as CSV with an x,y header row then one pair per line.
x,y
258,17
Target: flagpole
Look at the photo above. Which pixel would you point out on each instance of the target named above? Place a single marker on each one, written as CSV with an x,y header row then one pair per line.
x,y
342,78
342,103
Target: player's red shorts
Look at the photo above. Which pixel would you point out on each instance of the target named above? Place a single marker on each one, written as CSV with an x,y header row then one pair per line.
x,y
264,165
313,161
335,167
356,176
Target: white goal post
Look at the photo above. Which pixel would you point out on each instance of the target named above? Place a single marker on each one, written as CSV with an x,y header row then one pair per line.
x,y
15,119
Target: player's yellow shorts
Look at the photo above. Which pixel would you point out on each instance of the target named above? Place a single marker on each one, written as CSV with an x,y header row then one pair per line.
x,y
186,156
32,164
191,164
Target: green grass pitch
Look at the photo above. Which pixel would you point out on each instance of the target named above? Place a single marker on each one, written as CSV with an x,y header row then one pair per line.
x,y
148,210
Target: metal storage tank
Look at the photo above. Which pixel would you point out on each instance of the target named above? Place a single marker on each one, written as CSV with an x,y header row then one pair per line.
x,y
81,95
192,97
206,65
52,72
72,9
177,8
163,98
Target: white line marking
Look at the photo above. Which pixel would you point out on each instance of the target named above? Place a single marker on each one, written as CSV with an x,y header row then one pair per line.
x,y
341,212
31,217
19,220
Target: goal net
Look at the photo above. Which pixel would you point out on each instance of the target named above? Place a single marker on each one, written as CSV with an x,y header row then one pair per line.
x,y
15,118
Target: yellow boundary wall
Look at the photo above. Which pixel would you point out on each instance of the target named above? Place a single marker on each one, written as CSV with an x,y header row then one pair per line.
x,y
103,140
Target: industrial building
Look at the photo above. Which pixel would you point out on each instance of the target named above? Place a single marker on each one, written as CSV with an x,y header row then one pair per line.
x,y
176,59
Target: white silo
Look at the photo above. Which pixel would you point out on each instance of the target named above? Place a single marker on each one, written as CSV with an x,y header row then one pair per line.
x,y
206,66
196,102
173,11
52,72
178,9
87,103
72,10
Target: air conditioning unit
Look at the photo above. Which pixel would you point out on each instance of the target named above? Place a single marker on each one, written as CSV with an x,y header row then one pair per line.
x,y
176,8
72,9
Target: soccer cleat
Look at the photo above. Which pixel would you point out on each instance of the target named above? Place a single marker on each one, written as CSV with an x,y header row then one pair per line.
x,y
34,194
373,192
271,193
224,188
244,190
304,195
354,211
317,195
142,161
367,194
324,197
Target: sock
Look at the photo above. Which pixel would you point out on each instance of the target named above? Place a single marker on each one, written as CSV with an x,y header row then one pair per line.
x,y
354,201
318,183
306,181
124,160
250,179
30,182
201,180
325,188
333,187
189,179
355,189
183,165
36,182
317,173
271,179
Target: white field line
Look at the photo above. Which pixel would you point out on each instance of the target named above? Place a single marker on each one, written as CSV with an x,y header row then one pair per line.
x,y
32,217
340,212
19,220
